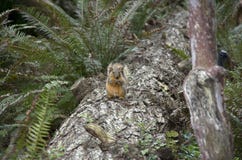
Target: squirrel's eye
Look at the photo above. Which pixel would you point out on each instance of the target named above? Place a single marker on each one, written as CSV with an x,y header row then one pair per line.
x,y
110,69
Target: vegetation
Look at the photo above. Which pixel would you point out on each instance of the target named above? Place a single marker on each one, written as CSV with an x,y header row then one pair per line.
x,y
50,47
229,37
43,52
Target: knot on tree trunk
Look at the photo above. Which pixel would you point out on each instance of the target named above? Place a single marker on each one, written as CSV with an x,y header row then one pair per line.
x,y
208,117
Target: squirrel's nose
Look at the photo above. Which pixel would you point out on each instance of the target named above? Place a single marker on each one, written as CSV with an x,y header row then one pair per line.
x,y
116,75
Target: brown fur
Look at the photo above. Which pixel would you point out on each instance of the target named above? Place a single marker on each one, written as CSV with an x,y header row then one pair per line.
x,y
116,80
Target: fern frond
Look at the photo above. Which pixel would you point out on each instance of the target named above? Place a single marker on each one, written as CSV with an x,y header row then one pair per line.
x,y
110,10
6,102
129,12
141,16
4,15
81,5
56,12
39,130
75,41
12,34
40,21
28,48
117,8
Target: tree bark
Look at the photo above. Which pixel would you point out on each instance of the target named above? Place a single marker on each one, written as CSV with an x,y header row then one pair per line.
x,y
203,87
111,129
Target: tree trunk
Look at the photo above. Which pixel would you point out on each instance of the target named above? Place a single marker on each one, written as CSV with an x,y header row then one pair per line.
x,y
111,129
203,88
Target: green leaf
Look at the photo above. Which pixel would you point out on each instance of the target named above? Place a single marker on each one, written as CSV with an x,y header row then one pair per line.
x,y
172,134
145,151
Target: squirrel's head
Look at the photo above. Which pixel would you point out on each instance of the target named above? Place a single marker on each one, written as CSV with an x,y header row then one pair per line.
x,y
115,70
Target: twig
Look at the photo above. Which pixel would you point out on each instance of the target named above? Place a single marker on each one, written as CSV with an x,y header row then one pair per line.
x,y
18,100
12,146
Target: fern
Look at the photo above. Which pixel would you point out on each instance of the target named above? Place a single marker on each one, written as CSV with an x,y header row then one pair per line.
x,y
8,102
59,14
56,14
141,16
95,40
4,16
12,34
40,21
36,50
86,47
39,130
61,48
129,12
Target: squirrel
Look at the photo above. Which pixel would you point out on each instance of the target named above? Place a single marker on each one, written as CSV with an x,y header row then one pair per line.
x,y
116,81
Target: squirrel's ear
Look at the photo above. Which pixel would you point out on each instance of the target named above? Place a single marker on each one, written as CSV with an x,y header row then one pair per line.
x,y
110,67
122,67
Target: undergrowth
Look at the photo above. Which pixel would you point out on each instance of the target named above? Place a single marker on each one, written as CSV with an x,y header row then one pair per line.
x,y
229,36
41,47
45,50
